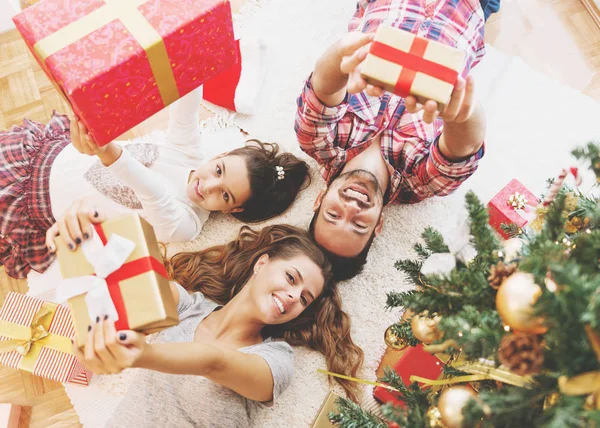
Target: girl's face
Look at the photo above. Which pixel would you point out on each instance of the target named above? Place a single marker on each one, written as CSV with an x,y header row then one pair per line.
x,y
221,184
283,289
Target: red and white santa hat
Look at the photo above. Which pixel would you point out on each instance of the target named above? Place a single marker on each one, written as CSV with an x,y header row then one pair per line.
x,y
237,88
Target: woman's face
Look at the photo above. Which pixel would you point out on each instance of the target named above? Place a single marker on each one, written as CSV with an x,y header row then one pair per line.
x,y
222,184
283,288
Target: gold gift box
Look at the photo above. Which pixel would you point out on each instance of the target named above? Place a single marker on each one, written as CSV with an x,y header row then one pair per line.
x,y
385,73
322,420
147,296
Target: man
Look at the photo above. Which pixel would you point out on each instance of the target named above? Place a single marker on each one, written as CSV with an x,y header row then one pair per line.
x,y
374,147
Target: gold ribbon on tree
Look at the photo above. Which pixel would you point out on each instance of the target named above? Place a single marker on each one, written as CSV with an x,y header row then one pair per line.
x,y
585,383
29,340
127,12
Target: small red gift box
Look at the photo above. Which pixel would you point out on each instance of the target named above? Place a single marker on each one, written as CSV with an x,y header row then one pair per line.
x,y
415,361
120,61
35,336
513,204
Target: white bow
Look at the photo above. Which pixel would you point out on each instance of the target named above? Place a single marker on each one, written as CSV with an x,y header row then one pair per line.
x,y
105,259
460,248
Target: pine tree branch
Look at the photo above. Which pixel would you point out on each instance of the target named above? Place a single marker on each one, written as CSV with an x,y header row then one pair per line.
x,y
484,238
434,241
412,268
351,415
403,331
511,229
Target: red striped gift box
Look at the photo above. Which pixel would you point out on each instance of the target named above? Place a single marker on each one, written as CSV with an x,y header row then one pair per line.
x,y
35,336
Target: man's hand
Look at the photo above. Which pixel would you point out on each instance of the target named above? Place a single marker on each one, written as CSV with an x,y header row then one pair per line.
x,y
458,110
338,69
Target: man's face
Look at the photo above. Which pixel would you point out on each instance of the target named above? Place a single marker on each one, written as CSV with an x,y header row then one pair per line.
x,y
349,213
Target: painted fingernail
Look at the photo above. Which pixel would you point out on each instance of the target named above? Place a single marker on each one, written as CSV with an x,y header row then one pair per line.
x,y
105,317
122,336
97,319
89,328
78,241
86,235
95,213
71,246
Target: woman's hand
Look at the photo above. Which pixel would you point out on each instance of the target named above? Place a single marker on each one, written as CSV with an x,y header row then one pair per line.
x,y
108,351
75,225
85,144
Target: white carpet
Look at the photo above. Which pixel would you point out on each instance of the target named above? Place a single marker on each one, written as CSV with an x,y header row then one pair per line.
x,y
533,123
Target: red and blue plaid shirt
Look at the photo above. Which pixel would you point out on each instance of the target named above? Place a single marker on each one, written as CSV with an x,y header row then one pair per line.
x,y
334,135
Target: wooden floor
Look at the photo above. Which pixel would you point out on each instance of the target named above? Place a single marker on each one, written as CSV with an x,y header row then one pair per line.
x,y
558,37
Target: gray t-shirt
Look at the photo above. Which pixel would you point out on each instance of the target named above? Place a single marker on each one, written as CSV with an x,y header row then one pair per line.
x,y
158,399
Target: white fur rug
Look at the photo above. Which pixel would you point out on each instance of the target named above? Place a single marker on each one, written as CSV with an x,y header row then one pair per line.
x,y
533,123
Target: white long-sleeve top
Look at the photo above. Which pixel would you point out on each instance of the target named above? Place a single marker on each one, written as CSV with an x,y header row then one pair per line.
x,y
160,187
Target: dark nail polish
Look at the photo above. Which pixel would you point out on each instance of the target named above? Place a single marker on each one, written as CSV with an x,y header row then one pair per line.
x,y
86,235
122,336
95,213
89,328
78,241
97,319
105,317
71,246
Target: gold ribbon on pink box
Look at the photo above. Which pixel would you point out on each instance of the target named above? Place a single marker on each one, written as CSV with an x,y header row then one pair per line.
x,y
128,13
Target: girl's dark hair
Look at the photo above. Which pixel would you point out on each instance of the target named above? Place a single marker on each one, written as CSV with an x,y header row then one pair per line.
x,y
269,196
220,272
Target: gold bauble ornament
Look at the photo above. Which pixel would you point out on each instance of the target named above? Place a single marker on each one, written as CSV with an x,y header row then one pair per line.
x,y
425,329
514,302
435,418
392,340
451,404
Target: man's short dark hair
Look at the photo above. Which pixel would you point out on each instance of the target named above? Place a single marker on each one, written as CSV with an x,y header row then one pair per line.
x,y
343,267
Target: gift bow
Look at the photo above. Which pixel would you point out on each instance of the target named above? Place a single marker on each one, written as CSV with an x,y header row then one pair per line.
x,y
37,332
105,259
460,249
521,205
29,340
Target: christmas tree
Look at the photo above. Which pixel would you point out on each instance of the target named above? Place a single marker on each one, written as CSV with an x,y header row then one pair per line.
x,y
522,317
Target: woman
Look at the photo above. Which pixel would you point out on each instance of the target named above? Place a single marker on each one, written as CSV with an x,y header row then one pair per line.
x,y
261,287
170,184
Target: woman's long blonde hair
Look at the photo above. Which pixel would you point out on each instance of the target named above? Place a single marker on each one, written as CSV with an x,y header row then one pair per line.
x,y
220,272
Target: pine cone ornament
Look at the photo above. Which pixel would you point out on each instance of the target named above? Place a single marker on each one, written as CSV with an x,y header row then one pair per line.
x,y
499,272
523,354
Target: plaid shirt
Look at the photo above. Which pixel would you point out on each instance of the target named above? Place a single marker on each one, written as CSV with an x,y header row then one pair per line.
x,y
334,135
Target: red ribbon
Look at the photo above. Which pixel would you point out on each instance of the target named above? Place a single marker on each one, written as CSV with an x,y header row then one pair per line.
x,y
128,270
412,62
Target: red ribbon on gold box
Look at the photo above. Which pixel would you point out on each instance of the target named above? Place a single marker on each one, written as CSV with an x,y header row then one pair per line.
x,y
406,64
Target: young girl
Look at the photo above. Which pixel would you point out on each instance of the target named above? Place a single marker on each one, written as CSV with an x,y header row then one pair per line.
x,y
172,185
224,357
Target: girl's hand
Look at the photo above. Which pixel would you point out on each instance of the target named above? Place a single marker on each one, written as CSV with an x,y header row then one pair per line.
x,y
81,140
84,143
108,351
75,225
